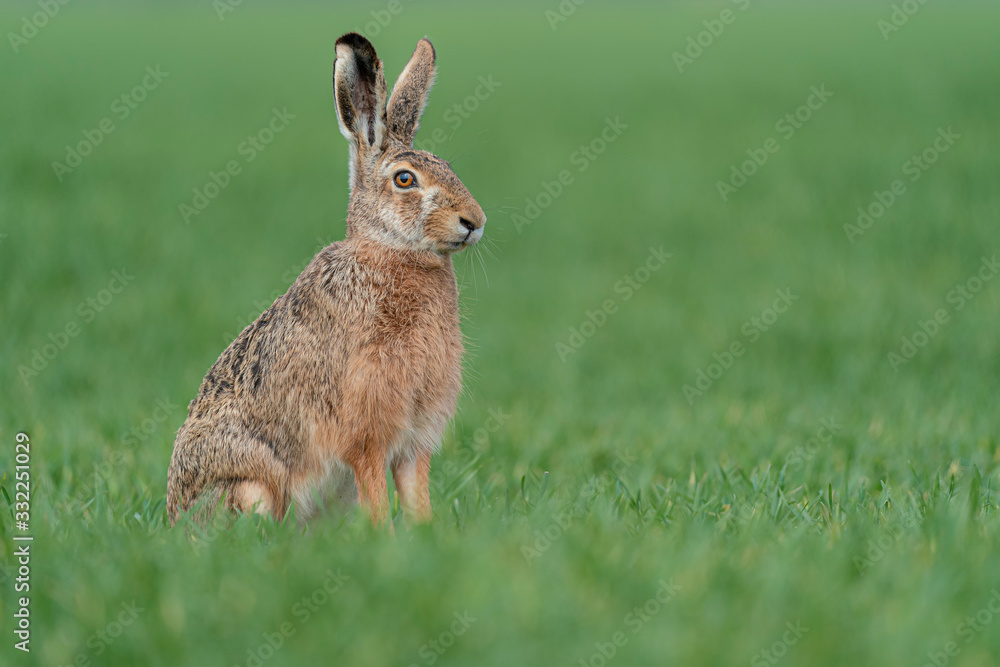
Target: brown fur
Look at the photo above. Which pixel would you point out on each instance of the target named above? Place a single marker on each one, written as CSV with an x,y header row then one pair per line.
x,y
358,365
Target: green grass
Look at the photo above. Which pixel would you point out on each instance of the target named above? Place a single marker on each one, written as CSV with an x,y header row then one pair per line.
x,y
596,479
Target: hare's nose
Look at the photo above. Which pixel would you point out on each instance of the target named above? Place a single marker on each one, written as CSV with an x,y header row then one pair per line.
x,y
473,236
471,216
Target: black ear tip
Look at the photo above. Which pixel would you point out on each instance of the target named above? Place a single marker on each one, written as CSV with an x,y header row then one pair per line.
x,y
433,50
356,42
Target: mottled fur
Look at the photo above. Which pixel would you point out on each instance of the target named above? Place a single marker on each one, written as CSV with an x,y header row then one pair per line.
x,y
358,366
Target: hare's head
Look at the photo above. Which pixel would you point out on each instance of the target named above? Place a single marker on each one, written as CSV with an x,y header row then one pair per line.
x,y
401,197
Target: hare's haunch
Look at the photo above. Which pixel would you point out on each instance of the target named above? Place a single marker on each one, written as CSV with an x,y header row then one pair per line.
x,y
358,366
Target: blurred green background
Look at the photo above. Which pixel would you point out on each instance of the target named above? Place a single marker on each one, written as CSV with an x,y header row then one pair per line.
x,y
815,483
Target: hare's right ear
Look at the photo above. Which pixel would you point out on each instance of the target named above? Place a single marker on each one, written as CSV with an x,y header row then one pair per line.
x,y
409,95
360,90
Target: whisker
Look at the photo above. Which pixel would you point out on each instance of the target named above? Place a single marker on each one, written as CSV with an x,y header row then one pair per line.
x,y
486,276
473,269
486,248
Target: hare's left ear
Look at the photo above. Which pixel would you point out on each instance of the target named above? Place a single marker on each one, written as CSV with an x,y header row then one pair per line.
x,y
360,90
409,95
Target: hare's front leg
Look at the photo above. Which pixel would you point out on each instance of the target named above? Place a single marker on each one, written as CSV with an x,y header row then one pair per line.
x,y
369,474
412,477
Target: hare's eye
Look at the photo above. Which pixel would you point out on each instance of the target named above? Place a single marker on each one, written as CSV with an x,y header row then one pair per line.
x,y
405,179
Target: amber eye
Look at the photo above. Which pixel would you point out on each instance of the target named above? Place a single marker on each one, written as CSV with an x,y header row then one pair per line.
x,y
405,179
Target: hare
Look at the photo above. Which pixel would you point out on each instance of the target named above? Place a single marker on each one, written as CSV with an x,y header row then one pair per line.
x,y
357,367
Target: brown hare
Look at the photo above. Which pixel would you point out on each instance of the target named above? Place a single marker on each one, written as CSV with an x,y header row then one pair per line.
x,y
357,367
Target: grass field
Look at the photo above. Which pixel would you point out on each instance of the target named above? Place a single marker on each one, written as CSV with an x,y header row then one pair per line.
x,y
779,445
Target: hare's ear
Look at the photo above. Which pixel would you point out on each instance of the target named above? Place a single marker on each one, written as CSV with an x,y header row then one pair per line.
x,y
360,90
409,95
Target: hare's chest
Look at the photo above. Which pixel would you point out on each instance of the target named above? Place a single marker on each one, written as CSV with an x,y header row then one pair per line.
x,y
436,380
416,343
434,352
426,363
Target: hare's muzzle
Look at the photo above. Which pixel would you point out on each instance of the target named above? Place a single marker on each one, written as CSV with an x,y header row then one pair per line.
x,y
475,231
